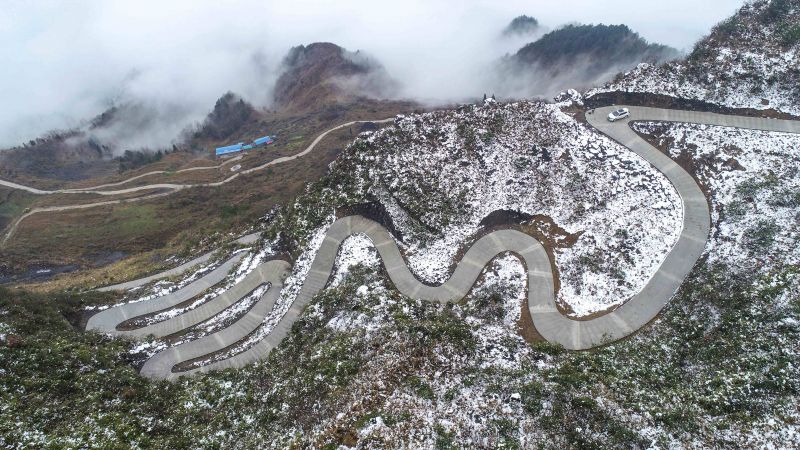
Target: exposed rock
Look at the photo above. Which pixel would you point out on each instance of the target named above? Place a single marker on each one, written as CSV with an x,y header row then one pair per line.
x,y
323,74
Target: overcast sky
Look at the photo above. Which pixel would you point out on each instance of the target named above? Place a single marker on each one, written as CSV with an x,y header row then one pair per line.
x,y
65,61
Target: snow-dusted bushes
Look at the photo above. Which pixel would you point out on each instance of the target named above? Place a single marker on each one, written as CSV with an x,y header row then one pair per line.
x,y
754,182
440,174
751,60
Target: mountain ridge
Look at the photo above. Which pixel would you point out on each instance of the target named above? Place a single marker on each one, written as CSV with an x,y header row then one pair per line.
x,y
750,60
577,56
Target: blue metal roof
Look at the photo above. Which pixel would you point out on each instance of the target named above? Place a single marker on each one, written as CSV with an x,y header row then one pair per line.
x,y
229,149
263,140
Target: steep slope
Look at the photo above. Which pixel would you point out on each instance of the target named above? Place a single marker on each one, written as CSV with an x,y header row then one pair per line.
x,y
579,56
751,60
366,367
230,113
67,155
325,74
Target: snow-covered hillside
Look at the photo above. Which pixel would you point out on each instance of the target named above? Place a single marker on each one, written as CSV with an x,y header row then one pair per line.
x,y
754,181
751,60
440,174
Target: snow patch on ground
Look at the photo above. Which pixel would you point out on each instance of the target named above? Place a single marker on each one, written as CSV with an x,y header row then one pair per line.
x,y
248,263
245,266
533,158
223,319
5,330
469,411
506,277
754,179
291,287
749,66
356,249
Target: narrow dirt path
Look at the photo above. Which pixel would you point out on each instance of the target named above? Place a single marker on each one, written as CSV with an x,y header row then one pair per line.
x,y
172,188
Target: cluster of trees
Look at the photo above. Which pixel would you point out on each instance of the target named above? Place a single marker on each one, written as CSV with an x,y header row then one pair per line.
x,y
133,159
600,48
522,25
230,113
617,42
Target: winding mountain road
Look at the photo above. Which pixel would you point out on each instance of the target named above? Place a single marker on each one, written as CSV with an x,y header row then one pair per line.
x,y
246,239
548,320
170,187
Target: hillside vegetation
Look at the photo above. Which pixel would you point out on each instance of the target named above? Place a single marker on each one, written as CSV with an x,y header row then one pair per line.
x,y
607,46
577,56
522,26
367,367
750,60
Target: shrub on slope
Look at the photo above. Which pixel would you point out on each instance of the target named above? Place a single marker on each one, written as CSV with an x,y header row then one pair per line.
x,y
750,60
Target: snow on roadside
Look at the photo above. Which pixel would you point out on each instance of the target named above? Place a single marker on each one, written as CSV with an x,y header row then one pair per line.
x,y
754,179
159,288
164,287
291,287
458,404
505,276
354,250
224,318
745,62
672,81
538,161
246,265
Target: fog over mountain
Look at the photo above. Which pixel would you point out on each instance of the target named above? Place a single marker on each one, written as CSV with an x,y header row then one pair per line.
x,y
577,56
66,62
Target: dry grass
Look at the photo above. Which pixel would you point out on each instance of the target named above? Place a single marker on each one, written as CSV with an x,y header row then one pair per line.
x,y
126,269
181,222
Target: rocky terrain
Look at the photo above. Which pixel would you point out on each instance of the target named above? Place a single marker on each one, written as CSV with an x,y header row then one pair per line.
x,y
323,74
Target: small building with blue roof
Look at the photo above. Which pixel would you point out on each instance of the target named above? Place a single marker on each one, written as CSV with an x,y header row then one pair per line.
x,y
228,149
235,148
263,140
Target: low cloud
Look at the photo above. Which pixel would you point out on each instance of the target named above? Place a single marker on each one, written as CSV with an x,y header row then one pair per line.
x,y
66,62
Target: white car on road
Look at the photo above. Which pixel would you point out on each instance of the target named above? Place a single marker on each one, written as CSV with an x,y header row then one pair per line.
x,y
618,114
